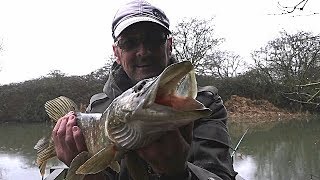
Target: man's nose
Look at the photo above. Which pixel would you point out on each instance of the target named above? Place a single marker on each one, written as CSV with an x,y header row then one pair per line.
x,y
143,49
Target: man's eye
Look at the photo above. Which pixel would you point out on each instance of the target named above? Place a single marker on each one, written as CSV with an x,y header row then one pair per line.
x,y
158,38
129,43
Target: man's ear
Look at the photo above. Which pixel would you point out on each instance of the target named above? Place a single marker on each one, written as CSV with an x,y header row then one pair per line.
x,y
116,53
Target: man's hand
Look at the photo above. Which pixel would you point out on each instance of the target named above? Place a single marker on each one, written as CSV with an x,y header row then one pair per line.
x,y
168,155
68,138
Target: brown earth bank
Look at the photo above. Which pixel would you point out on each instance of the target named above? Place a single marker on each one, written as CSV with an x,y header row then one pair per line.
x,y
241,109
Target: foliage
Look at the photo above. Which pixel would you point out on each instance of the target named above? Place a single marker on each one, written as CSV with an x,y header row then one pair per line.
x,y
24,101
251,84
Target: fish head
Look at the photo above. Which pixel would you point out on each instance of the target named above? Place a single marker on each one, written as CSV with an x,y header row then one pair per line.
x,y
155,105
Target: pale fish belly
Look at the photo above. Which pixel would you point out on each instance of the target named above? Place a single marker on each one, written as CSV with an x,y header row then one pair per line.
x,y
93,129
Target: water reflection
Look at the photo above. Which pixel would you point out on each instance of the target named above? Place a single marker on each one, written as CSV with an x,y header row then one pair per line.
x,y
16,167
17,157
246,165
281,151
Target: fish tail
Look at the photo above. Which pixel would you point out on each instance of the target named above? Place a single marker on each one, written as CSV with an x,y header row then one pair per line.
x,y
55,108
45,151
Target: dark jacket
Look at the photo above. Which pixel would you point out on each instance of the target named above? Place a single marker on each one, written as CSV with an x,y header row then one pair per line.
x,y
209,154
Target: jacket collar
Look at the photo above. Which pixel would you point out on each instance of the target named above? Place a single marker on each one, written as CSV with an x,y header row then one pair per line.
x,y
118,81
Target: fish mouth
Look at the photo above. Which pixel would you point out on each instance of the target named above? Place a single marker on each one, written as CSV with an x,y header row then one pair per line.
x,y
175,87
157,105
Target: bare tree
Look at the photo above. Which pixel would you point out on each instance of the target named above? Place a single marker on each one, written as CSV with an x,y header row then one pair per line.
x,y
195,40
306,94
223,64
293,60
293,8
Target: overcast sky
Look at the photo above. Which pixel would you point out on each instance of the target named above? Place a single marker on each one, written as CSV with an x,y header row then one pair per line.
x,y
74,36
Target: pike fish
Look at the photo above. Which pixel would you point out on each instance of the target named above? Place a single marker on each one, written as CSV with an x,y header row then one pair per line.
x,y
133,120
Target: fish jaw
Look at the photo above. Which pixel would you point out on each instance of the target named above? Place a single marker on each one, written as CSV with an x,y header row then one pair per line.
x,y
144,94
168,83
153,106
172,93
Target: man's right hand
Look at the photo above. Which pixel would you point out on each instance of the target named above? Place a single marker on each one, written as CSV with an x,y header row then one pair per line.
x,y
68,138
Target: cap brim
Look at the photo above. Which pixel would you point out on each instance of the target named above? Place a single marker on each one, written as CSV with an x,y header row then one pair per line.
x,y
126,23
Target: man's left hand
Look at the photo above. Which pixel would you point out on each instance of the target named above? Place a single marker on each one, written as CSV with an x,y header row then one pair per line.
x,y
168,155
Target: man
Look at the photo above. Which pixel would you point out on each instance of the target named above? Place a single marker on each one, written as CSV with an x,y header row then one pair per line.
x,y
143,49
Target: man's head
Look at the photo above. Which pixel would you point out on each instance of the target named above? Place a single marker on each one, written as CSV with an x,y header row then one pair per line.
x,y
142,43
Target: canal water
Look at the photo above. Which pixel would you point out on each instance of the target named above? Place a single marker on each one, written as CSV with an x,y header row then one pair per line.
x,y
277,151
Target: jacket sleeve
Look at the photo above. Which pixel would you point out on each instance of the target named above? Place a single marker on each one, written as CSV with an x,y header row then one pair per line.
x,y
211,140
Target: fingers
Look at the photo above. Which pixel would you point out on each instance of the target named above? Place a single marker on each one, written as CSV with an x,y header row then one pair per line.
x,y
55,129
59,133
79,139
68,138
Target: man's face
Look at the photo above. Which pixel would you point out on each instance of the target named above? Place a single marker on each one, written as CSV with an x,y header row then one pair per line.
x,y
143,49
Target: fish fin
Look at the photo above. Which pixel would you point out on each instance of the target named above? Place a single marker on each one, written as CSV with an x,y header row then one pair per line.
x,y
114,165
136,167
98,162
60,106
75,164
55,108
45,151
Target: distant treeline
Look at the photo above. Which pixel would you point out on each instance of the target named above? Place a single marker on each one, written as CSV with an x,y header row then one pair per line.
x,y
24,102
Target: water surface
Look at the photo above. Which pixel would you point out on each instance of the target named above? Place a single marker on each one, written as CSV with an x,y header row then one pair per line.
x,y
17,156
275,151
279,151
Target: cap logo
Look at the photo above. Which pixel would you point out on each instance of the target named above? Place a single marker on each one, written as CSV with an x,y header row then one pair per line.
x,y
157,14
